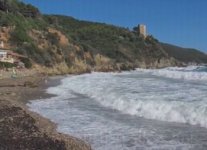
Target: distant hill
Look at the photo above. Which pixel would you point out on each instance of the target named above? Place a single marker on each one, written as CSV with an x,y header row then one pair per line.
x,y
185,54
62,44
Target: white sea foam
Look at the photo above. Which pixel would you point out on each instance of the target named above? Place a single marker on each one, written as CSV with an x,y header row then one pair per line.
x,y
147,97
186,73
144,93
104,133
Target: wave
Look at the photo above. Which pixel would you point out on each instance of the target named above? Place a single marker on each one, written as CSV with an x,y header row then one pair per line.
x,y
187,73
150,98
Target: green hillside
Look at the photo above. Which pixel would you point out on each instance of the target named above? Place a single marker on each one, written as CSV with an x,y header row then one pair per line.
x,y
185,54
51,40
115,42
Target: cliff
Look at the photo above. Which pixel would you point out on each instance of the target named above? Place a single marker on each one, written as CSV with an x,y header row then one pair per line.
x,y
60,44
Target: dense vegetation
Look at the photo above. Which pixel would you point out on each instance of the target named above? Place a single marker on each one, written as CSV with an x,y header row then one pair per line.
x,y
185,54
17,7
115,42
119,44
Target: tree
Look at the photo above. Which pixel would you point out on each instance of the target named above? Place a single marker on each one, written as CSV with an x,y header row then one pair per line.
x,y
135,29
8,5
3,5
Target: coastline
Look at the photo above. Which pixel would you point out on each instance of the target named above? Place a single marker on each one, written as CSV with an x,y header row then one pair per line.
x,y
22,129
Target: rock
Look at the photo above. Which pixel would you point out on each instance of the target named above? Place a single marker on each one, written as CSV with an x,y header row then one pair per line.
x,y
30,84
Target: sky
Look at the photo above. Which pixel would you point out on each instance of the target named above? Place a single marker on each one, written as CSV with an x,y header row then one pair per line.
x,y
179,22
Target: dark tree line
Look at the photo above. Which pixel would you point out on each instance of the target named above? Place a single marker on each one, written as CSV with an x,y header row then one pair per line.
x,y
17,7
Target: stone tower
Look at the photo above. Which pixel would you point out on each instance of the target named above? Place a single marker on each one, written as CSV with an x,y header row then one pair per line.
x,y
142,30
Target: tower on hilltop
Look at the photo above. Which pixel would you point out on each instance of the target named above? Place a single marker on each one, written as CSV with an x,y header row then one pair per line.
x,y
142,30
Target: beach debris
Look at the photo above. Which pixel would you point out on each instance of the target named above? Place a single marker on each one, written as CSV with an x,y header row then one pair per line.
x,y
30,84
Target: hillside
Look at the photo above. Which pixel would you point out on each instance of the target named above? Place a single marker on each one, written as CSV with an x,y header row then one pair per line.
x,y
185,54
59,44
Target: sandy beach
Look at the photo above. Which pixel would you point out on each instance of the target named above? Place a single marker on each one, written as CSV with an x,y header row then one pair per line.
x,y
21,129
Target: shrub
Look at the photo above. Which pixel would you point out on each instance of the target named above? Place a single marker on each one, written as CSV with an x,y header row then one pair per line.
x,y
27,62
6,65
53,38
19,35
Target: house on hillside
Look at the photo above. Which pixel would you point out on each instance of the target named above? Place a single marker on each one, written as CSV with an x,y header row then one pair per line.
x,y
7,56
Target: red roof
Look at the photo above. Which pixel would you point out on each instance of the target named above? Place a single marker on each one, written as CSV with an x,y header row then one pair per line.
x,y
13,53
16,54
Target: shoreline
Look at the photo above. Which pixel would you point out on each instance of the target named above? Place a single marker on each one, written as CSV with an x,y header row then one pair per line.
x,y
23,129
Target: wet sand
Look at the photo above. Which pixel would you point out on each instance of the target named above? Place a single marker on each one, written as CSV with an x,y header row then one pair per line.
x,y
21,129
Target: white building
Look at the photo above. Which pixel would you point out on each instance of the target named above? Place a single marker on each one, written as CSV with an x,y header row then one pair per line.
x,y
10,56
5,56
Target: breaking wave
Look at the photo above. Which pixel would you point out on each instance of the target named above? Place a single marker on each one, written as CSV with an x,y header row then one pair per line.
x,y
140,93
186,73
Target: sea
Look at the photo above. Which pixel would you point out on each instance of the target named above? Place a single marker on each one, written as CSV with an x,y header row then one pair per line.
x,y
144,109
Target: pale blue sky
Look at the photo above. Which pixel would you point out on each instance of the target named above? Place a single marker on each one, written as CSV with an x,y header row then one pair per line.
x,y
179,22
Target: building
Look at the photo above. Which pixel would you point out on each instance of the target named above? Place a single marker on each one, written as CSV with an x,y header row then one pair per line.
x,y
3,55
6,56
142,30
10,57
